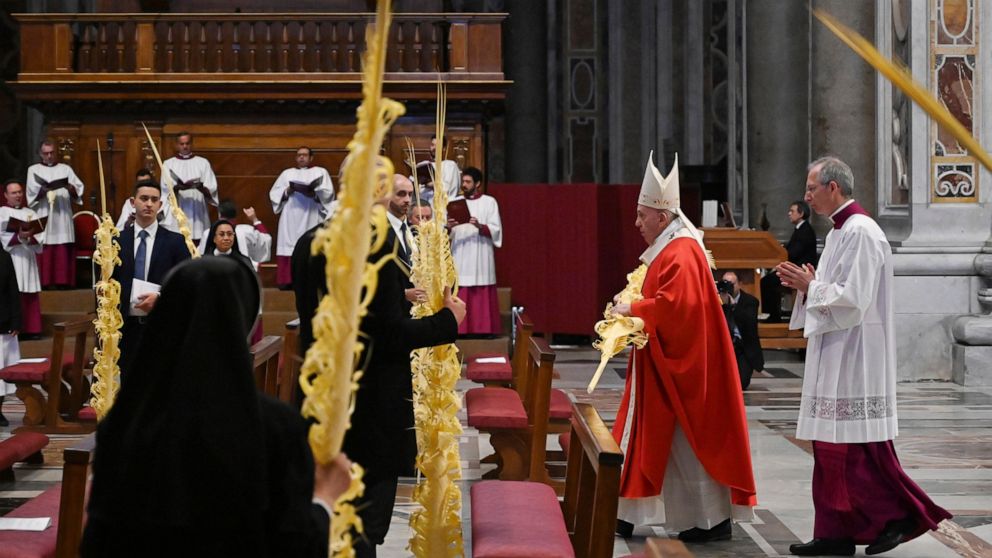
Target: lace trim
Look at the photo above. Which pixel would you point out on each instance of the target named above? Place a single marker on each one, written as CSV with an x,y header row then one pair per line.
x,y
818,298
851,408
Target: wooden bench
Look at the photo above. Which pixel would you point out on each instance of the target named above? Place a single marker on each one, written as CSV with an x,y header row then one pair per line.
x,y
23,446
42,413
779,336
290,362
524,519
502,373
265,363
517,419
65,503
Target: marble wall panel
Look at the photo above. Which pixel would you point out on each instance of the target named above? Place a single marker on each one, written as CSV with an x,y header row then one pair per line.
x,y
923,346
937,295
955,78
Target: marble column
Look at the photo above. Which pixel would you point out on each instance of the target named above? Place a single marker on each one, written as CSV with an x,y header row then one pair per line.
x,y
525,55
777,108
842,97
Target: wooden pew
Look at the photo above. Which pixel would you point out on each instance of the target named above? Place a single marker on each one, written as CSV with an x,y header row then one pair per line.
x,y
41,413
517,419
65,503
265,356
503,374
289,370
522,519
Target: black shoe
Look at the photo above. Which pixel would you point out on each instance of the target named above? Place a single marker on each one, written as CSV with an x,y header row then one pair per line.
x,y
823,547
624,529
895,533
4,421
720,532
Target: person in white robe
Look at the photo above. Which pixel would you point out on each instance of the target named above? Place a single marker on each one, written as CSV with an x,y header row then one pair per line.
x,y
52,188
861,495
10,324
302,197
450,174
24,250
196,186
473,246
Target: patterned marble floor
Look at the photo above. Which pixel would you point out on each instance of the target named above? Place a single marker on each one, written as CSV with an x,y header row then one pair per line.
x,y
945,444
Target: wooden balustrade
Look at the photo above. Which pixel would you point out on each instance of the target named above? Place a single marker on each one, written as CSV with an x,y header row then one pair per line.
x,y
100,47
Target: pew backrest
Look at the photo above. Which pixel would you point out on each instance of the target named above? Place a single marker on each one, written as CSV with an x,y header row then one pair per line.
x,y
289,374
265,363
536,397
592,484
72,503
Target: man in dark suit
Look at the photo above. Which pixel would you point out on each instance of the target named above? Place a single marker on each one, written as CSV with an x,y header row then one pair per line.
x,y
148,252
802,250
382,437
741,310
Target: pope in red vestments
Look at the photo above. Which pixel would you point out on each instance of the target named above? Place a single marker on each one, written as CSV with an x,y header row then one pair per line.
x,y
681,420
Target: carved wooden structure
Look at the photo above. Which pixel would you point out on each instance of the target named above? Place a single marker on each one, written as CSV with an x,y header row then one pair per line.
x,y
251,87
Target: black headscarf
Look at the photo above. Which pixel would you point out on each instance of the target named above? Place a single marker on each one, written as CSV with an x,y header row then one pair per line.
x,y
208,249
183,445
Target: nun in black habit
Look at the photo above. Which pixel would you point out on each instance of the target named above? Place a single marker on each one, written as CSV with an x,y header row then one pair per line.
x,y
192,460
225,243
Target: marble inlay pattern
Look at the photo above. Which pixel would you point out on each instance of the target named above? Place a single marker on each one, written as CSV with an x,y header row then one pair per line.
x,y
955,78
945,444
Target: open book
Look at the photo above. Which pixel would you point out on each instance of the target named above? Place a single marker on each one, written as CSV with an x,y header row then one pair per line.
x,y
458,210
180,184
307,189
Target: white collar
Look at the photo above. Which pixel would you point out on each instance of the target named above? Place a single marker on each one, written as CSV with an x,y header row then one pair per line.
x,y
675,229
151,229
395,221
800,223
217,252
842,206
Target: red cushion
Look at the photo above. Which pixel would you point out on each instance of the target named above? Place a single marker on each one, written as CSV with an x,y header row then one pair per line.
x,y
561,405
564,439
87,413
490,371
495,407
34,371
34,544
517,518
21,446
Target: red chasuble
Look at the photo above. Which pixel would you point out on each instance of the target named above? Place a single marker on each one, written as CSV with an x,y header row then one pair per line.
x,y
686,375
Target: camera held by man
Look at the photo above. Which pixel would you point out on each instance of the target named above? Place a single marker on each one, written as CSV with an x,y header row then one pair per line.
x,y
741,311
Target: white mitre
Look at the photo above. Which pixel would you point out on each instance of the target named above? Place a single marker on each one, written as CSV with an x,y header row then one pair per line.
x,y
662,192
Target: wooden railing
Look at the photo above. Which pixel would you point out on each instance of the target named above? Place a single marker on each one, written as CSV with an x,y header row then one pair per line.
x,y
464,46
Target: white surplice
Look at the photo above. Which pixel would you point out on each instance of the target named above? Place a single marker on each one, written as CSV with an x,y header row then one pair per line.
x,y
10,352
191,201
849,386
59,229
474,253
23,255
451,178
298,212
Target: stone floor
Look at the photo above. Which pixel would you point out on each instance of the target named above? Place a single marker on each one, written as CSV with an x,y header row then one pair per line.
x,y
945,444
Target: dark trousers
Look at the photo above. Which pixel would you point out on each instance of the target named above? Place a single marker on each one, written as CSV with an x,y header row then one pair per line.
x,y
743,366
771,297
131,332
375,507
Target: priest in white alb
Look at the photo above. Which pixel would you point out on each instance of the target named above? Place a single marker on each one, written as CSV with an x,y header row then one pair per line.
x,y
861,495
426,169
52,188
473,246
23,248
302,197
196,186
681,423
